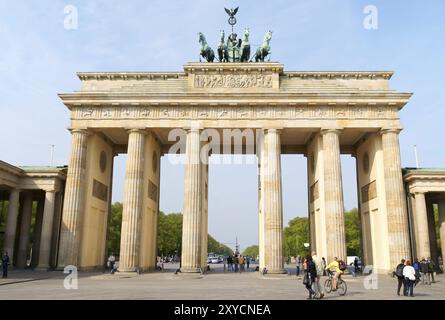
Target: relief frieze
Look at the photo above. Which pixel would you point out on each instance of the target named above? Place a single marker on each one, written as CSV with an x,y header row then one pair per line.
x,y
233,81
231,112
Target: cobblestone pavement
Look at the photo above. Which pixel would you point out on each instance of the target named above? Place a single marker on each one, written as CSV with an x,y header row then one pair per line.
x,y
216,284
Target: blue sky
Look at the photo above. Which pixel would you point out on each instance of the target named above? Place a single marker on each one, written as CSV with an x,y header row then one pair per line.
x,y
39,58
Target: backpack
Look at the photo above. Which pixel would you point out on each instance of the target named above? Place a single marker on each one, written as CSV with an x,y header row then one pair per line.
x,y
342,265
399,270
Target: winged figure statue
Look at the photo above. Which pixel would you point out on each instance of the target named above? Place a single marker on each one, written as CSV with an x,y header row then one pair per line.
x,y
232,11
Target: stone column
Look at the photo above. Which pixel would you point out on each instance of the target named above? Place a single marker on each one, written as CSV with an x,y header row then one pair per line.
x,y
110,204
261,251
205,218
132,206
193,203
22,253
47,227
333,195
11,223
37,232
432,231
56,228
441,204
73,206
397,217
273,209
421,227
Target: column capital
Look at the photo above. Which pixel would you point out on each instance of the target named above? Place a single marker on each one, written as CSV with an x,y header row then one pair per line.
x,y
192,129
140,130
337,131
274,130
79,130
390,130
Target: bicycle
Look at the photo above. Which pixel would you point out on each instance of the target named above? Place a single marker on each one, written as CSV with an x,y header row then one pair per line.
x,y
342,288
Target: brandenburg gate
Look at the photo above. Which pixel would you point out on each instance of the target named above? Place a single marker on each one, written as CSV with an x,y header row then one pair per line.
x,y
318,114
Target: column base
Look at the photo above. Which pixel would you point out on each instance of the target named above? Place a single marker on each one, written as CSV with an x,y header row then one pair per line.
x,y
128,270
190,270
279,272
42,268
189,275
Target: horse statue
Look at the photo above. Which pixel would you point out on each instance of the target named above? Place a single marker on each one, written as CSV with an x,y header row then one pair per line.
x,y
206,52
223,55
264,51
245,47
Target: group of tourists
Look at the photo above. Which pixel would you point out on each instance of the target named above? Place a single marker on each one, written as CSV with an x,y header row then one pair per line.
x,y
237,263
299,260
409,274
314,268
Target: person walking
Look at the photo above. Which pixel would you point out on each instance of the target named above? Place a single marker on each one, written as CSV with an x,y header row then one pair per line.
x,y
323,263
309,275
355,266
431,266
111,263
247,262
400,278
241,263
416,266
230,263
5,264
319,268
298,263
410,277
423,265
236,262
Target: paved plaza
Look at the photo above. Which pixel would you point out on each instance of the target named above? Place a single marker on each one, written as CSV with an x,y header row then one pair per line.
x,y
215,285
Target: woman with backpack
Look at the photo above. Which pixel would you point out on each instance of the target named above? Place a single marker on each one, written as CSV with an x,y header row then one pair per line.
x,y
334,268
400,279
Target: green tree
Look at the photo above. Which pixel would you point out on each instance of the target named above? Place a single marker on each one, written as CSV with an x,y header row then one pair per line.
x,y
352,229
169,234
217,248
169,239
252,251
295,235
114,229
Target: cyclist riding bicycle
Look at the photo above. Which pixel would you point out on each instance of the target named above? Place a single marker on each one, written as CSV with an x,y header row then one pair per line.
x,y
334,268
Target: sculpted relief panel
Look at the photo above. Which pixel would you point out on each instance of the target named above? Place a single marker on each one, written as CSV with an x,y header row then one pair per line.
x,y
232,81
245,112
